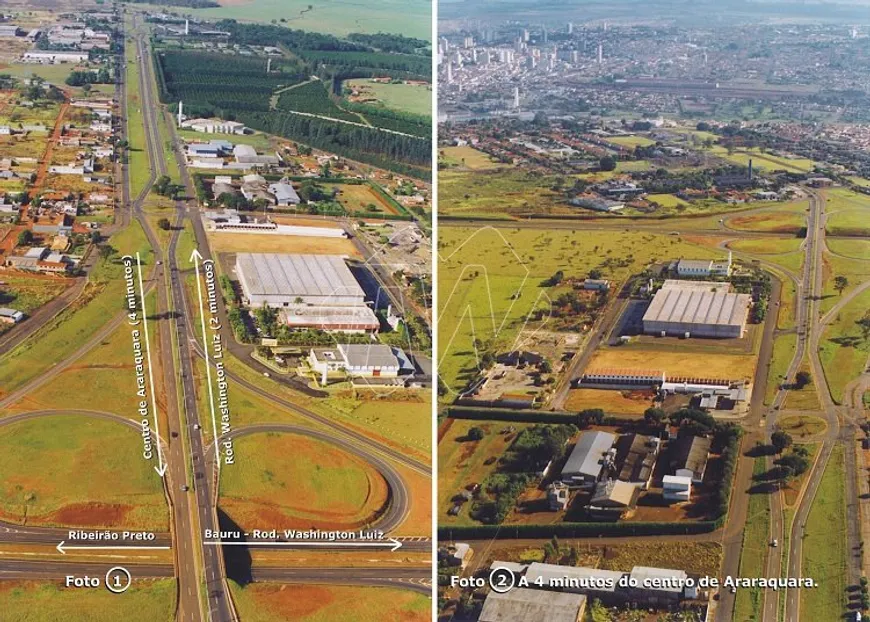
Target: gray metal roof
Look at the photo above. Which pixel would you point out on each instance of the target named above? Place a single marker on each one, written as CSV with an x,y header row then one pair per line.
x,y
369,355
268,274
588,454
526,605
645,576
595,579
696,264
689,305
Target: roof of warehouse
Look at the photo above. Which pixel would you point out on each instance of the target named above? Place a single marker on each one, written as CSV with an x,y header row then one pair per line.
x,y
523,604
693,306
268,274
588,454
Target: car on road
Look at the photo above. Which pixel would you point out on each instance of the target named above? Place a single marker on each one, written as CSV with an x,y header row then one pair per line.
x,y
774,543
185,488
196,426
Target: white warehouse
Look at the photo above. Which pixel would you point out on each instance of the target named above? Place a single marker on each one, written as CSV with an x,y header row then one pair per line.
x,y
690,311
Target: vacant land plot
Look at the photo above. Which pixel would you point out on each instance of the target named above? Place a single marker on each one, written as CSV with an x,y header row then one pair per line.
x,y
630,141
502,192
843,348
225,242
753,554
824,545
676,363
856,272
613,402
467,157
411,19
667,200
266,602
803,399
413,98
361,198
491,280
848,212
406,420
463,462
28,293
73,470
702,558
144,601
288,480
774,221
785,252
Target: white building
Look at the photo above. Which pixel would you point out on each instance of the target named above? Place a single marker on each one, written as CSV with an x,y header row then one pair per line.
x,y
691,311
54,57
704,267
360,361
677,488
214,126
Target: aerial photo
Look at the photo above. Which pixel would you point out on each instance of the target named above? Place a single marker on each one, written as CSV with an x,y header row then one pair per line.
x,y
653,311
216,326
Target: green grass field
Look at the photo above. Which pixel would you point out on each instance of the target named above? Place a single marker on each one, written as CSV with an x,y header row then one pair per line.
x,y
102,300
490,280
465,157
28,293
145,601
265,602
824,546
788,218
412,18
413,98
855,270
77,470
848,212
668,200
783,351
138,164
852,248
785,252
842,349
756,533
407,421
285,480
630,141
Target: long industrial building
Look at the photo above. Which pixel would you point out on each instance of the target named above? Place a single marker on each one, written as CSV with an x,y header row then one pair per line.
x,y
312,291
692,311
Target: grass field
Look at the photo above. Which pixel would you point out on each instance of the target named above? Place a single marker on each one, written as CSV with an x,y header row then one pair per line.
x,y
824,546
765,162
462,462
848,212
855,270
842,349
28,293
72,470
630,141
412,18
615,402
784,347
774,221
849,247
265,602
806,398
138,164
413,98
466,157
801,426
360,198
756,533
501,192
701,558
676,362
668,200
101,300
286,480
144,601
409,420
225,242
785,252
490,280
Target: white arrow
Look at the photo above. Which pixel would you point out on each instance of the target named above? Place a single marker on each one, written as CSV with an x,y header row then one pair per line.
x,y
69,547
195,257
392,544
161,469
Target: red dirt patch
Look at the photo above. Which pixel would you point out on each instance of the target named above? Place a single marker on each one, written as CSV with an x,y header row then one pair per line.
x,y
294,602
89,514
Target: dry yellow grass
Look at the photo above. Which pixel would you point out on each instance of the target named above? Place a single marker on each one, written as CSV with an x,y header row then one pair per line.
x,y
613,402
246,242
677,363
